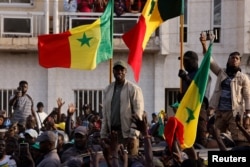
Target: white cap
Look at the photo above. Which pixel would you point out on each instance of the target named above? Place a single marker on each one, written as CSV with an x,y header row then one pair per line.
x,y
32,132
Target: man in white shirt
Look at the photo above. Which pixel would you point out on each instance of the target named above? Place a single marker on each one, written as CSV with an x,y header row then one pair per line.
x,y
70,5
40,115
5,160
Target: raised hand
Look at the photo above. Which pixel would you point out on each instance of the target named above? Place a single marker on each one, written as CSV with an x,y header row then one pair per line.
x,y
203,37
60,102
96,156
71,109
141,125
123,153
182,74
110,149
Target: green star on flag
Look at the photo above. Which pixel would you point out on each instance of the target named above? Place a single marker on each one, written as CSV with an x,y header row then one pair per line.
x,y
84,40
189,109
190,115
67,50
151,7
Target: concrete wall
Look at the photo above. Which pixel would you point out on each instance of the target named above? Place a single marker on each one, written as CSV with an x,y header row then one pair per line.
x,y
47,85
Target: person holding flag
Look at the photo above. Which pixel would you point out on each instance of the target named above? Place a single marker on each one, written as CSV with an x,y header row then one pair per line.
x,y
183,126
231,95
190,62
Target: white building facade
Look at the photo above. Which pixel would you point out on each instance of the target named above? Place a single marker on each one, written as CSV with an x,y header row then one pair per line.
x,y
159,74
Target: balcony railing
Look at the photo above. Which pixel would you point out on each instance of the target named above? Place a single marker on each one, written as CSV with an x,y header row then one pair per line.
x,y
31,24
26,26
121,24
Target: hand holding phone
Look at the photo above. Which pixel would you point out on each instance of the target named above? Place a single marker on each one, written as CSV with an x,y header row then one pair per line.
x,y
86,159
23,149
19,92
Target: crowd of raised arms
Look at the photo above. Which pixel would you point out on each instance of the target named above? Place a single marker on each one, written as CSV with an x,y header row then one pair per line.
x,y
121,135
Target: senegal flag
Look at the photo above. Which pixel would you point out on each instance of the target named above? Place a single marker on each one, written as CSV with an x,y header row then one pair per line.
x,y
82,47
188,111
154,13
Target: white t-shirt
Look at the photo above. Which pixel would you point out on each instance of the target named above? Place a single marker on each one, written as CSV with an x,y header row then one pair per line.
x,y
7,162
40,117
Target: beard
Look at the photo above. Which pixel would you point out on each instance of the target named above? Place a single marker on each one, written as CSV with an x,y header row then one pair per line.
x,y
232,70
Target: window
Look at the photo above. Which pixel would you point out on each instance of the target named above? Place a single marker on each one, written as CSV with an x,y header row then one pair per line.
x,y
92,97
78,21
171,96
217,20
5,95
122,25
185,26
185,33
16,1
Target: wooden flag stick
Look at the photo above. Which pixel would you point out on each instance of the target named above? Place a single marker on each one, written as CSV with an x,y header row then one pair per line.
x,y
181,46
110,69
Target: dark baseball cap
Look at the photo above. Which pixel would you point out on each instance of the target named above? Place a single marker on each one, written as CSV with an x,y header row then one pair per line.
x,y
81,130
120,63
47,136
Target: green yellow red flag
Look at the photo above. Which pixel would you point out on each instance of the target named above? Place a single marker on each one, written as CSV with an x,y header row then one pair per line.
x,y
82,47
154,13
161,116
188,111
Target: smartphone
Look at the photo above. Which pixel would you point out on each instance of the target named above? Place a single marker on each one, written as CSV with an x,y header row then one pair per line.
x,y
86,159
23,148
19,91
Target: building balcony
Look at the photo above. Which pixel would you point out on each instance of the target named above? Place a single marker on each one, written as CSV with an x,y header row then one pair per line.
x,y
19,30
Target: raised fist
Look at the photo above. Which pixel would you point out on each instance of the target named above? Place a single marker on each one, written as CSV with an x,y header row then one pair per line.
x,y
182,74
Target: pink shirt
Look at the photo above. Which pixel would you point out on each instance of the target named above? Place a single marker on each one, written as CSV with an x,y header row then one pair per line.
x,y
85,5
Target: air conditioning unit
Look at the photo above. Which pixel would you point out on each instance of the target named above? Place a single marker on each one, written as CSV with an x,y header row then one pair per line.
x,y
78,21
121,24
13,26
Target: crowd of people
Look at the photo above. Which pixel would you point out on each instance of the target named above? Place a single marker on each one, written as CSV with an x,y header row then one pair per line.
x,y
120,6
122,136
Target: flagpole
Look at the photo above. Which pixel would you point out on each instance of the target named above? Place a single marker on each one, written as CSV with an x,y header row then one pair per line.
x,y
110,70
112,39
181,46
